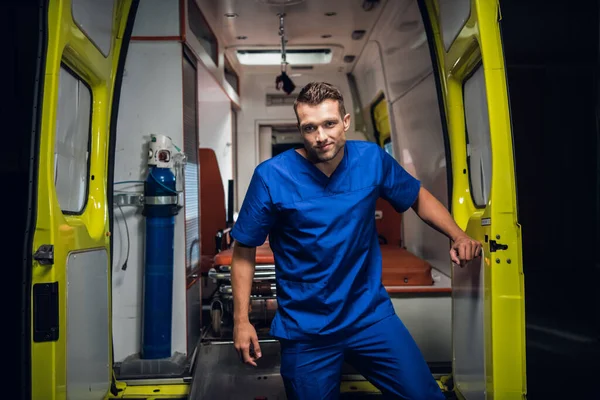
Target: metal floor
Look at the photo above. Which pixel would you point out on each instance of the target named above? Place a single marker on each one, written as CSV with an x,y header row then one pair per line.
x,y
219,374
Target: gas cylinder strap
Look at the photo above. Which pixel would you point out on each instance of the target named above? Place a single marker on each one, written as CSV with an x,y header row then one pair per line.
x,y
160,200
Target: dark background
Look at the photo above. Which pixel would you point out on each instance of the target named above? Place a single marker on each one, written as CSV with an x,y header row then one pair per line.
x,y
552,52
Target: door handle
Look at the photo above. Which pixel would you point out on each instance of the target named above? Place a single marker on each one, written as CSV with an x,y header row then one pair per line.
x,y
495,246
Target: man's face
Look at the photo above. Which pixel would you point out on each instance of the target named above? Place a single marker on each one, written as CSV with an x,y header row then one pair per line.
x,y
323,129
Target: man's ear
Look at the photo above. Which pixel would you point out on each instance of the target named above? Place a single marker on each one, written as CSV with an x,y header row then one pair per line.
x,y
346,122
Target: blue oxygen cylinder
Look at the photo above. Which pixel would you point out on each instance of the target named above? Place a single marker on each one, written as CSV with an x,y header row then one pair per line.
x,y
160,208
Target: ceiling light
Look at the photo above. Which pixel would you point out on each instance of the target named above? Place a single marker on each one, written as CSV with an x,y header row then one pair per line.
x,y
231,15
293,57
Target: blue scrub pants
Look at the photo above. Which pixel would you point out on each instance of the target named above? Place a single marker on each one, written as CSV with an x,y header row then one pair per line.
x,y
384,353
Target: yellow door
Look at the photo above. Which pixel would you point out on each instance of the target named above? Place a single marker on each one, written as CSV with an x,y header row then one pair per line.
x,y
488,294
71,353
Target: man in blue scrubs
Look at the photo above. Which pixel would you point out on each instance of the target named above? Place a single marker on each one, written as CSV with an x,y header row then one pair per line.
x,y
317,206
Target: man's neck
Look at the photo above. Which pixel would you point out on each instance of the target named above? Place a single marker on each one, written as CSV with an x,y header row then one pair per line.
x,y
326,167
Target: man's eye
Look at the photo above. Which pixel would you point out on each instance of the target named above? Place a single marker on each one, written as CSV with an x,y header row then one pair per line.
x,y
308,128
329,124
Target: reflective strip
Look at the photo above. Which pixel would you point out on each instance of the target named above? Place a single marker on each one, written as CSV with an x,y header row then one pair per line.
x,y
160,200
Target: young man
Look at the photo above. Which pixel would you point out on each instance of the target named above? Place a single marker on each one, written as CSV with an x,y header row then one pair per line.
x,y
317,207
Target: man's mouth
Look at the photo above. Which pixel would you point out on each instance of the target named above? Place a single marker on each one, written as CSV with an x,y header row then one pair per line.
x,y
325,147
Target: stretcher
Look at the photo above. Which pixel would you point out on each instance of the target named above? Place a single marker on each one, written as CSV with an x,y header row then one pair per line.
x,y
263,295
399,268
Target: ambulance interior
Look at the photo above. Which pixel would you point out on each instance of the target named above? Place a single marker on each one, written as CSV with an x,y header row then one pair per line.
x,y
203,73
233,117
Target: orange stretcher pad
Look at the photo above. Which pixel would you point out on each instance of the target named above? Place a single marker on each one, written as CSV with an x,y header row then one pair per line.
x,y
400,267
264,255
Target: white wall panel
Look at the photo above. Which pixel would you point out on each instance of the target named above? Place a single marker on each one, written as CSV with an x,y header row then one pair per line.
x,y
151,102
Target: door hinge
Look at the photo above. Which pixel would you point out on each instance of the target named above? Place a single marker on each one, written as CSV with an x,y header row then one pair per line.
x,y
494,246
45,254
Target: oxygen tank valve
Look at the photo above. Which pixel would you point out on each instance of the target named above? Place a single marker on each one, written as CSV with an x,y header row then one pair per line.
x,y
164,156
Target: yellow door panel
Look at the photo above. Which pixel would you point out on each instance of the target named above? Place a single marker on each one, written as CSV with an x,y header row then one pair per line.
x,y
72,213
475,96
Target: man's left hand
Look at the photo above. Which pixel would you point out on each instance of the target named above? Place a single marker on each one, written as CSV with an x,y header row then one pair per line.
x,y
464,249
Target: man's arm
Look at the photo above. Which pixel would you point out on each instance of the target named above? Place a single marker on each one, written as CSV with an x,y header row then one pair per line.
x,y
432,212
252,227
242,275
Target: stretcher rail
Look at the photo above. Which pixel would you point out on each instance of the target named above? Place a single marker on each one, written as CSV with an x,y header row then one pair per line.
x,y
213,274
227,268
227,289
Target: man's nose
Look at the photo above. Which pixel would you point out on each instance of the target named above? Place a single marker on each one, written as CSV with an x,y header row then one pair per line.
x,y
321,135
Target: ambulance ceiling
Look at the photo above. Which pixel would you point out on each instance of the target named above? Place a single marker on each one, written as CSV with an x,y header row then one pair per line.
x,y
321,25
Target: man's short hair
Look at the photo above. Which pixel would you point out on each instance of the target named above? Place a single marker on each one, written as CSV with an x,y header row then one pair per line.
x,y
317,92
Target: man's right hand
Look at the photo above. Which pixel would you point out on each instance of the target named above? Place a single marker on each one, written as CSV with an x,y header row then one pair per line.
x,y
244,336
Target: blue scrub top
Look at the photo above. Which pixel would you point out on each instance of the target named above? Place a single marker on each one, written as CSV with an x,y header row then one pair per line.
x,y
323,236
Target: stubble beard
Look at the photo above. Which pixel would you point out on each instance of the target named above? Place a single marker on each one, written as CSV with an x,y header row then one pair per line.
x,y
317,156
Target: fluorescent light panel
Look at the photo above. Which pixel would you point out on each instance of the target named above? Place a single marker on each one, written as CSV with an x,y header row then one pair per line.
x,y
293,57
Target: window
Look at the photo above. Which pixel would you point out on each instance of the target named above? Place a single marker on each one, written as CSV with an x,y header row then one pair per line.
x,y
72,147
479,154
274,99
453,16
232,77
234,139
381,121
202,31
95,19
190,147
